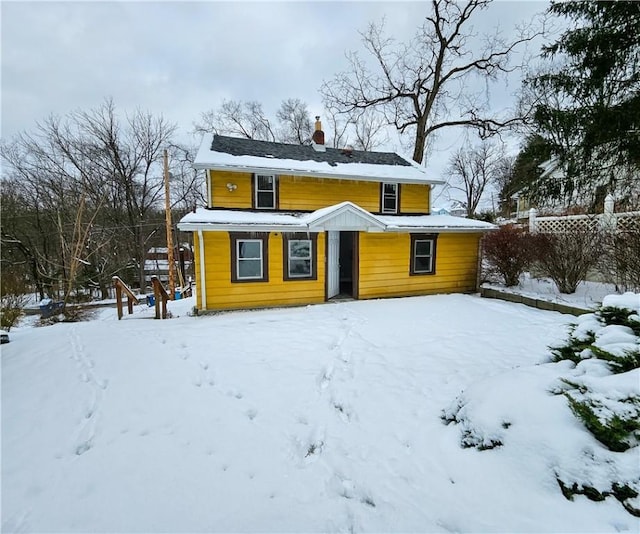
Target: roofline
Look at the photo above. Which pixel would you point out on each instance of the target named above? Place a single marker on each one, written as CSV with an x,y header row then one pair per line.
x,y
438,229
232,227
331,176
244,227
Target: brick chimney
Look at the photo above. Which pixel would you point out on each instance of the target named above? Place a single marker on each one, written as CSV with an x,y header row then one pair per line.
x,y
318,136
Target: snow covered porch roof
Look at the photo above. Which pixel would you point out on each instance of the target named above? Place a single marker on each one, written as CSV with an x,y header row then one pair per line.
x,y
343,216
223,153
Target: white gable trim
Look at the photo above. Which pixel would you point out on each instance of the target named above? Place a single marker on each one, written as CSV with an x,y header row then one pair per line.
x,y
344,217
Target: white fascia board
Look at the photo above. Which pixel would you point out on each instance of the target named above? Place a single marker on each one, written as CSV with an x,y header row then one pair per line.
x,y
239,227
438,229
314,174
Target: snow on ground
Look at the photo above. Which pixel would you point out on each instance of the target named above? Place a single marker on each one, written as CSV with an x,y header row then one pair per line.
x,y
588,294
325,418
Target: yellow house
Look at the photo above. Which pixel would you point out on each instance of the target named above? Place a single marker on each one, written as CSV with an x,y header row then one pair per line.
x,y
301,224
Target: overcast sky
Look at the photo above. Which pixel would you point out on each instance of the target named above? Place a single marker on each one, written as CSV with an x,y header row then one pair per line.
x,y
179,59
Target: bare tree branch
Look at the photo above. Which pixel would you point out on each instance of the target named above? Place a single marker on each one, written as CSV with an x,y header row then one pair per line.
x,y
472,169
415,84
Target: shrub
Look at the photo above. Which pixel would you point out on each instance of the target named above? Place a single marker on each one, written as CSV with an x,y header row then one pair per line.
x,y
574,347
508,250
567,257
13,297
616,433
621,261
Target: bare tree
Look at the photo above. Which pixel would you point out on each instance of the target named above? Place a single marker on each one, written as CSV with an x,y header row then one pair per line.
x,y
129,154
472,169
337,126
234,117
362,128
421,85
186,183
294,122
96,161
368,129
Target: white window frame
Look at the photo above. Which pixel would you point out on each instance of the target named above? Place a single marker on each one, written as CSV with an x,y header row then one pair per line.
x,y
257,190
383,207
291,257
260,276
432,255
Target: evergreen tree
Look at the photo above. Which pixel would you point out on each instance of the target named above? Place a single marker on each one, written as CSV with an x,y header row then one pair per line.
x,y
590,98
524,175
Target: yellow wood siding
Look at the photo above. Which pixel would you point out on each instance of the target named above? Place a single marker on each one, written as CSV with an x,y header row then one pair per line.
x,y
414,198
223,294
238,198
384,265
304,193
309,194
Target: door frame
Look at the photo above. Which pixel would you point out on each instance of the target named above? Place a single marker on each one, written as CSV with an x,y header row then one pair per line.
x,y
328,268
355,265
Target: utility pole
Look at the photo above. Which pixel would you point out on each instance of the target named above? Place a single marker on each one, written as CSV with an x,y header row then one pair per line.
x,y
167,211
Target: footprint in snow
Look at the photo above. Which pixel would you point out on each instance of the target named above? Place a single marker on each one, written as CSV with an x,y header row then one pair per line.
x,y
325,378
83,447
343,411
347,489
251,414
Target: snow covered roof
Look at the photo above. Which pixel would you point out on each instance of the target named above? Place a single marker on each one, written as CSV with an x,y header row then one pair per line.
x,y
218,152
347,214
552,167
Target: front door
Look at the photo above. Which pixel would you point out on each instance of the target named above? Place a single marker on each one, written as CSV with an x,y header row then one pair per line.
x,y
333,264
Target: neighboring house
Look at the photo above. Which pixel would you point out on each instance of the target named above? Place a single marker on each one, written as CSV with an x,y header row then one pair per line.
x,y
579,200
301,224
157,263
453,207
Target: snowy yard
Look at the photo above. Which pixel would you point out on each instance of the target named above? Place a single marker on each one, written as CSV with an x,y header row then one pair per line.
x,y
588,294
318,419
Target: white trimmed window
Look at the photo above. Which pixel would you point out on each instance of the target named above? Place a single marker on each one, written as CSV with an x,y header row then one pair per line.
x,y
265,191
389,199
249,257
423,254
299,260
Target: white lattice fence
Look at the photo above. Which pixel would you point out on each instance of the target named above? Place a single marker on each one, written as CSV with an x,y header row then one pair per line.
x,y
561,225
628,222
609,221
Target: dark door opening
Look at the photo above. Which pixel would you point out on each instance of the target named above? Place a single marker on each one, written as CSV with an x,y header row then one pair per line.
x,y
348,264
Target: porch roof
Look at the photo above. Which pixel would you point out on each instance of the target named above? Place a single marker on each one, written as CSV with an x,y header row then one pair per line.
x,y
343,216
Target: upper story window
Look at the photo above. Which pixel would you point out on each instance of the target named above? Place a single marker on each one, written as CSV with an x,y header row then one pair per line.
x,y
265,191
389,201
